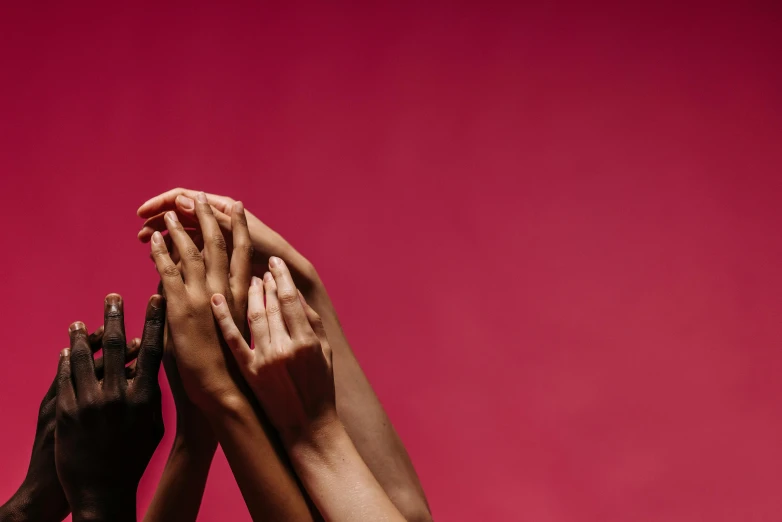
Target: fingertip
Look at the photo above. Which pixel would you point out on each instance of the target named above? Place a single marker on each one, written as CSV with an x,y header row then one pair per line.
x,y
275,262
238,207
157,301
157,239
201,197
113,303
65,352
218,300
268,278
76,327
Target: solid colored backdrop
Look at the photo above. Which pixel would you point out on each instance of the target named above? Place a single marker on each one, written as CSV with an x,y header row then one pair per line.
x,y
552,231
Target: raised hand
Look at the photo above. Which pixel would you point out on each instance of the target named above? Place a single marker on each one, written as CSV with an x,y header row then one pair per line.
x,y
107,431
290,368
196,344
358,406
40,497
290,372
210,379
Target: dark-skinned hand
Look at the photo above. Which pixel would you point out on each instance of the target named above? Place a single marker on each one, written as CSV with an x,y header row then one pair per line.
x,y
107,431
40,497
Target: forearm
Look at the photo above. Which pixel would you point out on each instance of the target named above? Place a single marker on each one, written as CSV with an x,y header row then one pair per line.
x,y
337,479
268,486
364,418
181,488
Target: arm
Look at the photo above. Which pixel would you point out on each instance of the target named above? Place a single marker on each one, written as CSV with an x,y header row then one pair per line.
x,y
209,379
359,408
181,487
290,372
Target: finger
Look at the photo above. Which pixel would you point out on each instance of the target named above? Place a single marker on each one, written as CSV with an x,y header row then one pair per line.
x,y
83,368
288,297
96,339
66,396
256,317
317,326
131,370
114,344
151,351
186,216
278,333
215,248
190,256
314,319
130,354
167,201
168,271
231,334
242,253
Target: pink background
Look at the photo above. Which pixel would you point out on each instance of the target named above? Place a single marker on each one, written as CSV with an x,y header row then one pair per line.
x,y
552,232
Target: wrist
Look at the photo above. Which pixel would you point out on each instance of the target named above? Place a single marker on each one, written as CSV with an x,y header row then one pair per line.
x,y
194,448
18,508
318,438
109,504
31,502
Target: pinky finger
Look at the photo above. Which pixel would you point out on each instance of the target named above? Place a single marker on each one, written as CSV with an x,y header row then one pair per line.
x,y
233,337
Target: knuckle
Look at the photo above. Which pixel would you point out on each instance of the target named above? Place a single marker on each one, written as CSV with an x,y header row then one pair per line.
x,y
170,271
256,316
246,250
192,253
288,297
272,309
218,241
113,341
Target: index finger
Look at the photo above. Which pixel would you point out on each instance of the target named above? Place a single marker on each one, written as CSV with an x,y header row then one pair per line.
x,y
167,201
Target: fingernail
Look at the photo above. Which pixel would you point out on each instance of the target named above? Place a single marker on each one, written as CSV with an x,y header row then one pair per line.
x,y
256,281
185,202
157,238
171,216
275,261
238,207
113,303
268,276
217,300
78,325
201,197
65,352
135,342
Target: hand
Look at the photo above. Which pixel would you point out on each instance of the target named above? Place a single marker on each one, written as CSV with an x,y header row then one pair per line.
x,y
197,345
107,432
40,497
265,241
290,372
290,368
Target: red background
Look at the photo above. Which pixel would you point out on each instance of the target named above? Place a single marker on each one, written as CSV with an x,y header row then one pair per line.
x,y
552,232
